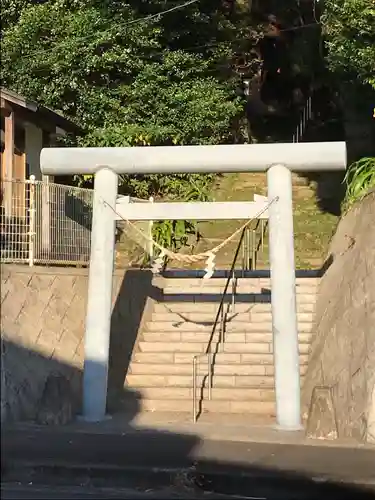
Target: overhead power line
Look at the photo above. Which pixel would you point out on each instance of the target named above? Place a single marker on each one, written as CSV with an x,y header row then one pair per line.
x,y
162,13
121,25
145,19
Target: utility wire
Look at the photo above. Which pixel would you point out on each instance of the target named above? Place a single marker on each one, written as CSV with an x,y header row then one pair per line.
x,y
121,26
294,28
153,16
148,18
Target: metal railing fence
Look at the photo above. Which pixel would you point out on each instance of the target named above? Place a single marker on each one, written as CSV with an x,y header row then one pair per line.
x,y
50,224
250,244
46,223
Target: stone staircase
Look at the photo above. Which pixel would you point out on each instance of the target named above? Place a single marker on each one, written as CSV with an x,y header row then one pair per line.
x,y
180,327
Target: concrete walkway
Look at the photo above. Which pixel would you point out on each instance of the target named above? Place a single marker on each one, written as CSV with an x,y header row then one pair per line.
x,y
212,427
218,427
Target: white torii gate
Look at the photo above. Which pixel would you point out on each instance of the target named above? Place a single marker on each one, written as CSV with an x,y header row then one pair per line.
x,y
279,160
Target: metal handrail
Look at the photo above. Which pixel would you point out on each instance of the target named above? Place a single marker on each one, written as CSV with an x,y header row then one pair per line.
x,y
305,117
248,237
249,263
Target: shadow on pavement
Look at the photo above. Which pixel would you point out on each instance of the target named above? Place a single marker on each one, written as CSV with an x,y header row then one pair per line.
x,y
81,460
180,466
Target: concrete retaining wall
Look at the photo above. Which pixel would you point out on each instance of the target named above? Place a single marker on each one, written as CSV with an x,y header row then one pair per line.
x,y
42,329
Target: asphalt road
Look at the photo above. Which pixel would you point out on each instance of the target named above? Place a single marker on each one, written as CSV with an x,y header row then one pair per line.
x,y
30,492
167,450
43,493
43,463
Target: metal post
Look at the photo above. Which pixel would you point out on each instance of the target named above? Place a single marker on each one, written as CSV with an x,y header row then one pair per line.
x,y
233,291
254,249
283,288
99,305
221,333
251,246
32,221
209,359
303,116
194,389
47,193
150,246
247,249
243,255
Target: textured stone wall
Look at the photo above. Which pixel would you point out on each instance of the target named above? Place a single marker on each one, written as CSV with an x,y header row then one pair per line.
x,y
42,330
342,359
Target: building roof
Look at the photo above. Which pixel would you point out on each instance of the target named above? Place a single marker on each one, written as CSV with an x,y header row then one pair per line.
x,y
37,113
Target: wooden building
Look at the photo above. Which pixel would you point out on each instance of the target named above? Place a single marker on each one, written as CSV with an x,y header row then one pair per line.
x,y
26,127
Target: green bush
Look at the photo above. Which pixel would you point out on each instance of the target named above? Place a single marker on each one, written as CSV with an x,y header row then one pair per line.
x,y
359,180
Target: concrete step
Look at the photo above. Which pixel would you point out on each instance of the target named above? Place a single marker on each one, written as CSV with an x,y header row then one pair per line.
x,y
206,293
224,358
219,369
267,408
162,381
240,327
218,393
200,347
215,299
202,286
239,291
209,310
204,337
184,283
232,317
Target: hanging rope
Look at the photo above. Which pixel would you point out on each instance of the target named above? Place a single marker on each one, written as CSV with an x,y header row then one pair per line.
x,y
208,255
